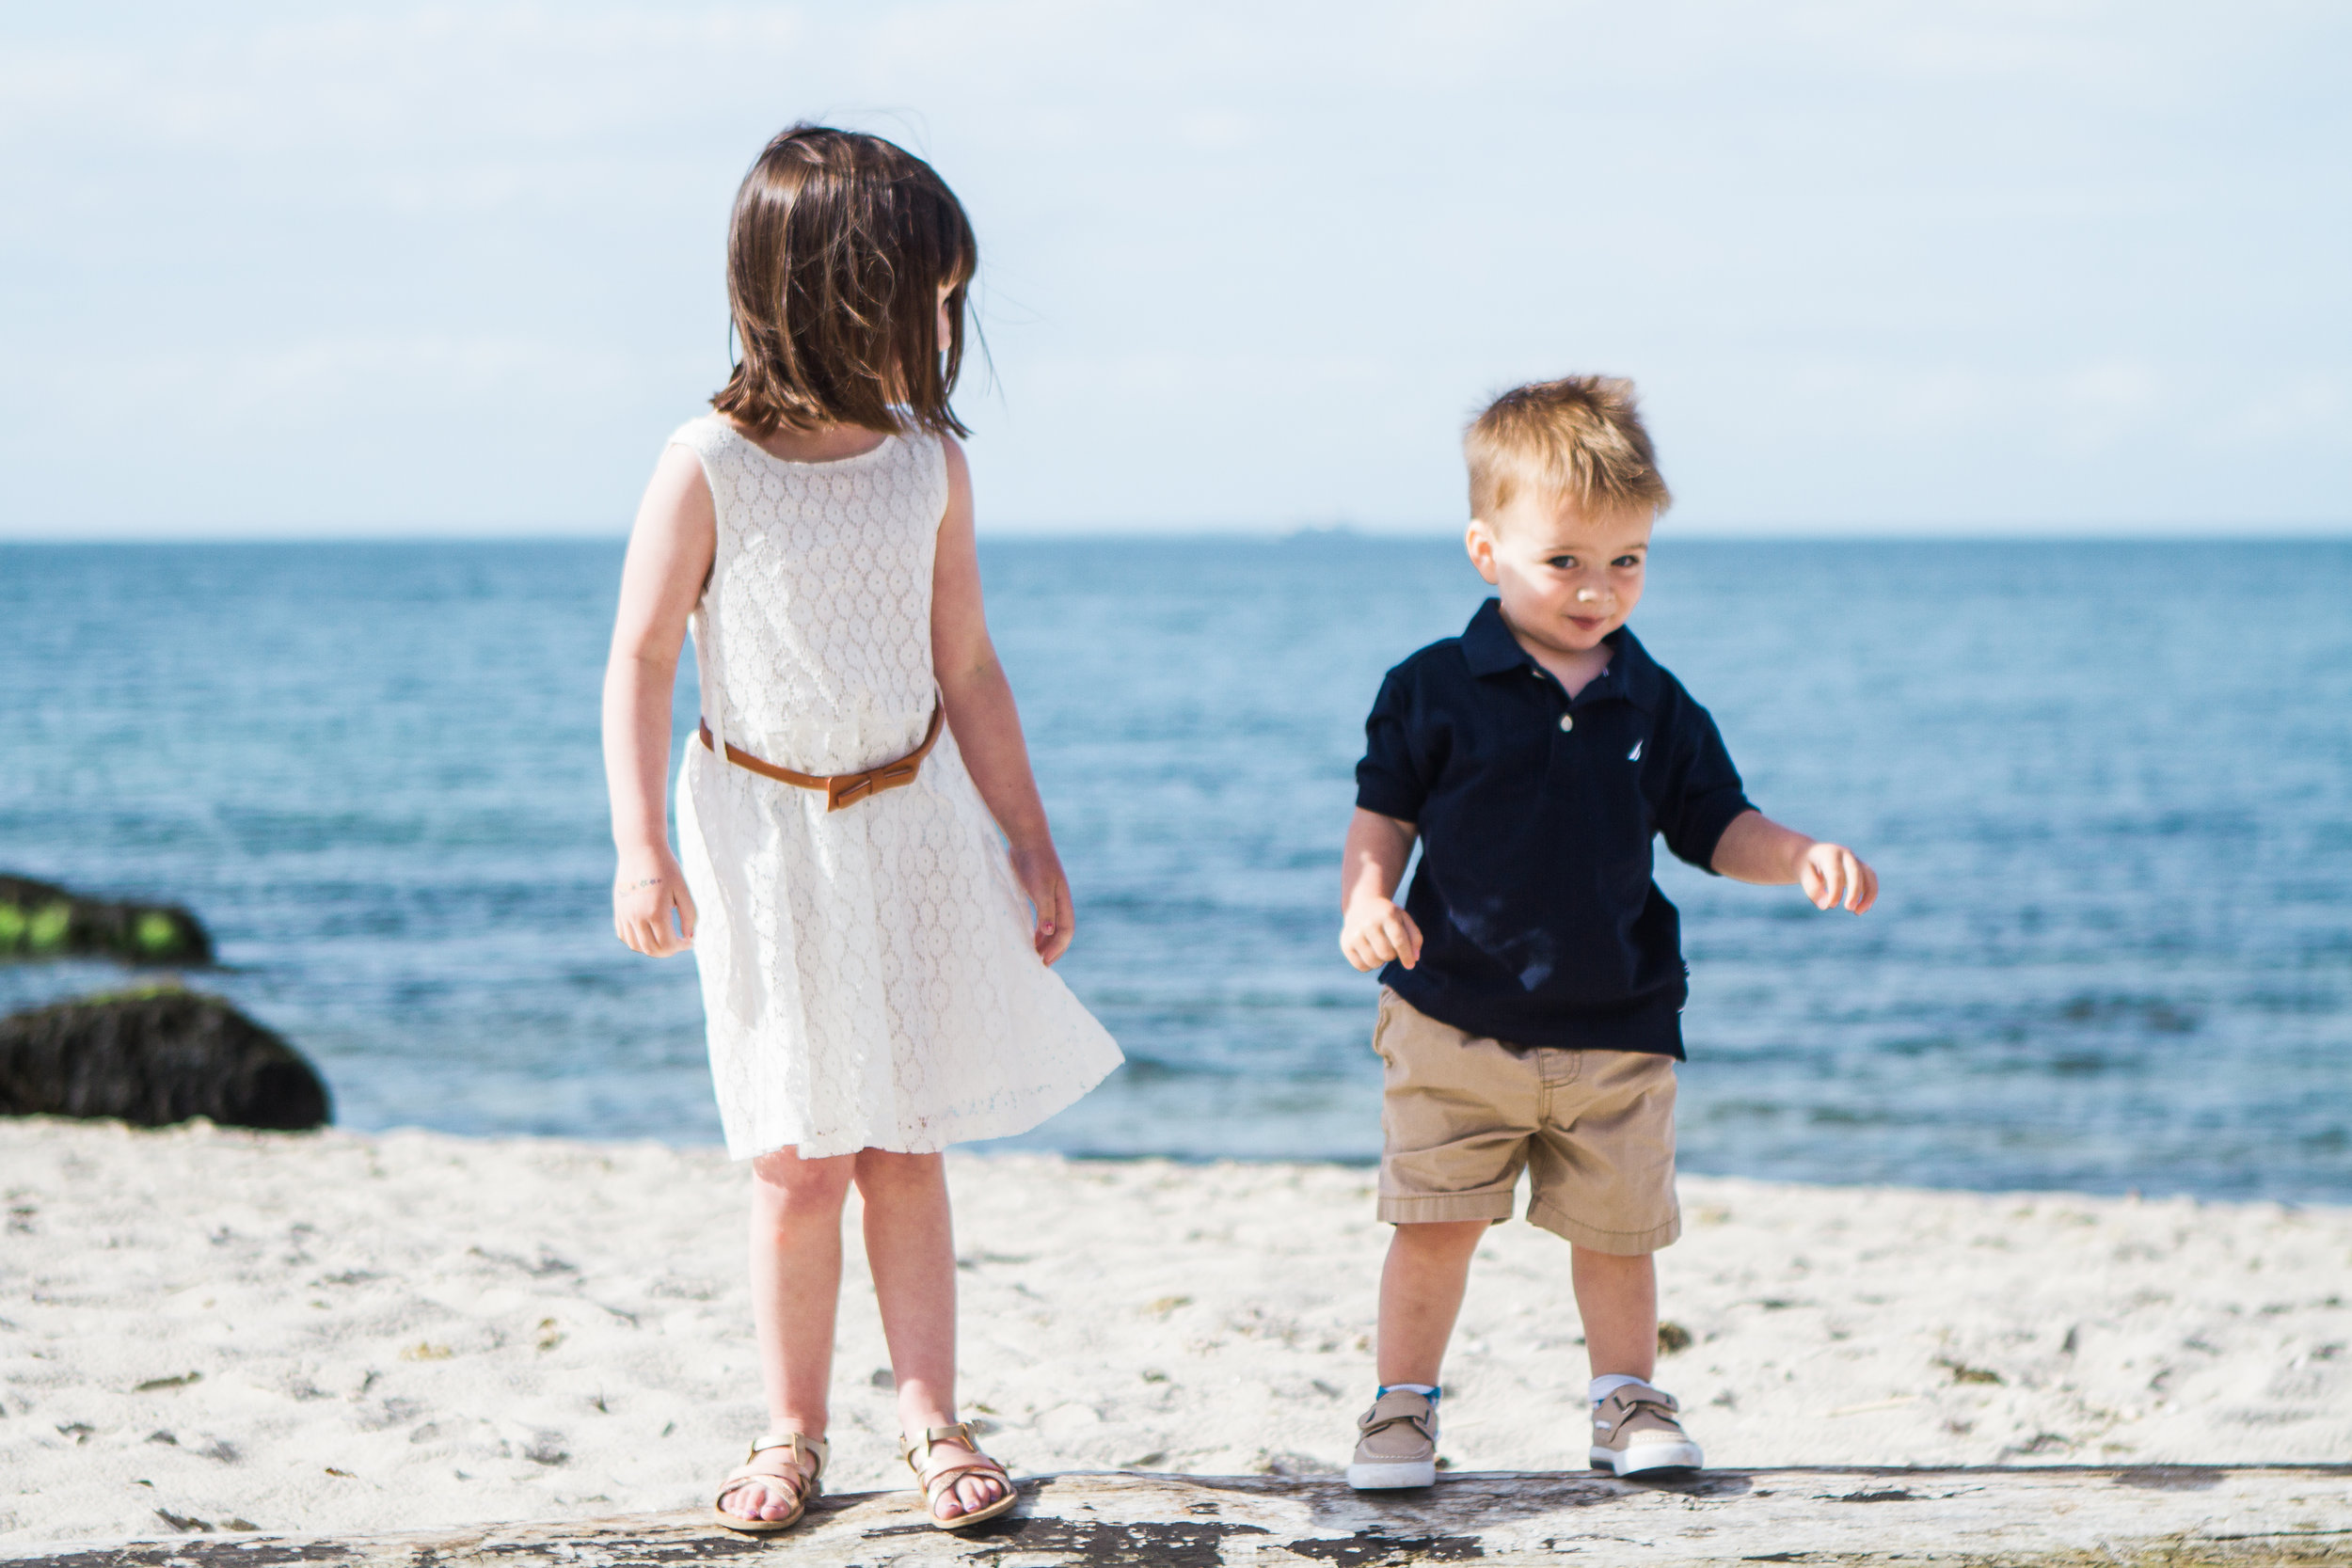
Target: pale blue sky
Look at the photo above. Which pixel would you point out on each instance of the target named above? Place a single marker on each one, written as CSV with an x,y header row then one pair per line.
x,y
2040,267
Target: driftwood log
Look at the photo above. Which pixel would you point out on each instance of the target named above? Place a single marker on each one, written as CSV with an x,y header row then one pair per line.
x,y
2060,1516
152,1058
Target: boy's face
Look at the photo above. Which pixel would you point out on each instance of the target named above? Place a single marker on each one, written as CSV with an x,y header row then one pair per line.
x,y
1568,576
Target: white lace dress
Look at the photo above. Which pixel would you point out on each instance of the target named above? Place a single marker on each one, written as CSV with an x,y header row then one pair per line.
x,y
868,975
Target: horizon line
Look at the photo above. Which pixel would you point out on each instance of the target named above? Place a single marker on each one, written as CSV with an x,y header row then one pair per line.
x,y
2053,533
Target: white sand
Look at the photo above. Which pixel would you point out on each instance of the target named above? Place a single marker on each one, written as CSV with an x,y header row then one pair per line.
x,y
339,1333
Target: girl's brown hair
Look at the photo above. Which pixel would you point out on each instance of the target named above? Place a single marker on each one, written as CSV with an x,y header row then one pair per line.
x,y
836,252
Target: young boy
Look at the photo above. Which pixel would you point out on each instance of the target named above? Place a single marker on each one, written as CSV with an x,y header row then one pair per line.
x,y
1534,979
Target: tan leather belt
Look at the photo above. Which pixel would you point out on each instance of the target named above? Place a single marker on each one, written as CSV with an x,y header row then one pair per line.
x,y
845,789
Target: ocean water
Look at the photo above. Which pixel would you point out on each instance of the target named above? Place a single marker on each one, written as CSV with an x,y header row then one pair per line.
x,y
2108,788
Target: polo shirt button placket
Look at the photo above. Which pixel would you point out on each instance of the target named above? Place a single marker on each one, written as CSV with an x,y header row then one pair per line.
x,y
1566,721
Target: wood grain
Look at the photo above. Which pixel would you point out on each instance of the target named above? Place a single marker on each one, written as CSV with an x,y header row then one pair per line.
x,y
1920,1518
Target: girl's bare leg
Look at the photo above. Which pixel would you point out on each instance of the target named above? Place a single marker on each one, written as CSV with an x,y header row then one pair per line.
x,y
911,1247
795,1287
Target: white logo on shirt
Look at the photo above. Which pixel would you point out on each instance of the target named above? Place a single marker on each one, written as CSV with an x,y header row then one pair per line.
x,y
1635,754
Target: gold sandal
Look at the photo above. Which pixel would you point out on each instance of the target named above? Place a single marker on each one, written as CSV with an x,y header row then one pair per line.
x,y
803,1486
933,1482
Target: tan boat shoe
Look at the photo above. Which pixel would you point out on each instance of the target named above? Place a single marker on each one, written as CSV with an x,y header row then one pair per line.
x,y
1635,1432
1397,1443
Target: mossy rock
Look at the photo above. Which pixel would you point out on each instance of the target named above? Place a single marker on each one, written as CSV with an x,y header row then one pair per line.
x,y
41,920
155,1057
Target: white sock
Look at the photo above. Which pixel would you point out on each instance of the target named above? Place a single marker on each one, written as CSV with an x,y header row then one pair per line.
x,y
1427,1390
1609,1384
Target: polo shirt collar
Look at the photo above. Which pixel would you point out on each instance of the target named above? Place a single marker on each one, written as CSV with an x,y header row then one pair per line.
x,y
1490,649
1488,644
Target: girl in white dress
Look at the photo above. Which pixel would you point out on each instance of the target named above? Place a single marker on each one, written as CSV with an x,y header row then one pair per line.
x,y
865,876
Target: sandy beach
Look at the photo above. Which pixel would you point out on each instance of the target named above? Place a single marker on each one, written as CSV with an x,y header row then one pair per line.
x,y
201,1328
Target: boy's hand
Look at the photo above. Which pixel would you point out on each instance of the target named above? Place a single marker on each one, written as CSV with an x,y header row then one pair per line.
x,y
1832,875
1374,930
648,889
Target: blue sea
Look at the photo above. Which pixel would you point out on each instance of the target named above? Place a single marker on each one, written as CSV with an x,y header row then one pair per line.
x,y
2108,788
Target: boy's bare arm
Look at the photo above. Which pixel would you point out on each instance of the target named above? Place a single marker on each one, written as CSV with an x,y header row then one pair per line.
x,y
1373,930
1756,849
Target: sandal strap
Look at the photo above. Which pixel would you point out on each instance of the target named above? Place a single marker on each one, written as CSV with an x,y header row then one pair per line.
x,y
932,1479
939,1481
815,1448
956,1431
803,1486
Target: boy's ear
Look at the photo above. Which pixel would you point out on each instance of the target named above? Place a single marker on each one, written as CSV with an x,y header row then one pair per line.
x,y
1479,540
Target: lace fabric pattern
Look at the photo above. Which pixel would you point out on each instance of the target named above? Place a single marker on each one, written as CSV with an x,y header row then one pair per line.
x,y
867,976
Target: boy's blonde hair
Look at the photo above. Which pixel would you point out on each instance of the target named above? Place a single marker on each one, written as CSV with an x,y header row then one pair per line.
x,y
1577,439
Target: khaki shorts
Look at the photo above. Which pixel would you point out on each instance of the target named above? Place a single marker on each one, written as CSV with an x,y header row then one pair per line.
x,y
1460,1116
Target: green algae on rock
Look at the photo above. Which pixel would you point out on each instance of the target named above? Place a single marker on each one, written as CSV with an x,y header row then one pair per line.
x,y
42,920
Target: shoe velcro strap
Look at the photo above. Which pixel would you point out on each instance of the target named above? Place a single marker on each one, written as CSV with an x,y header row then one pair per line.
x,y
1632,1394
1663,1405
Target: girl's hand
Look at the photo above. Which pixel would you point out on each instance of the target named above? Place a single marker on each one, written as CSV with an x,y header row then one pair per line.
x,y
649,888
1374,930
1833,875
1041,877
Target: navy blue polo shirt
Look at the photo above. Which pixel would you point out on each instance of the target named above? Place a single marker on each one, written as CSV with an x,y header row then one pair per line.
x,y
1540,925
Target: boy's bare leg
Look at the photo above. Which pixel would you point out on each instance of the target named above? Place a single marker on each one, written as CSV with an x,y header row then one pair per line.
x,y
1617,1298
1421,1295
1634,1430
796,1289
911,1247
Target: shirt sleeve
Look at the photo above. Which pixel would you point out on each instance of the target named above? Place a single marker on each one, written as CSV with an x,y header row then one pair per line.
x,y
1703,792
1391,779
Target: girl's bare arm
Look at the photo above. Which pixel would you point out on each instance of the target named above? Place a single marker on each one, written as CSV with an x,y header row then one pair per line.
x,y
670,551
987,725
